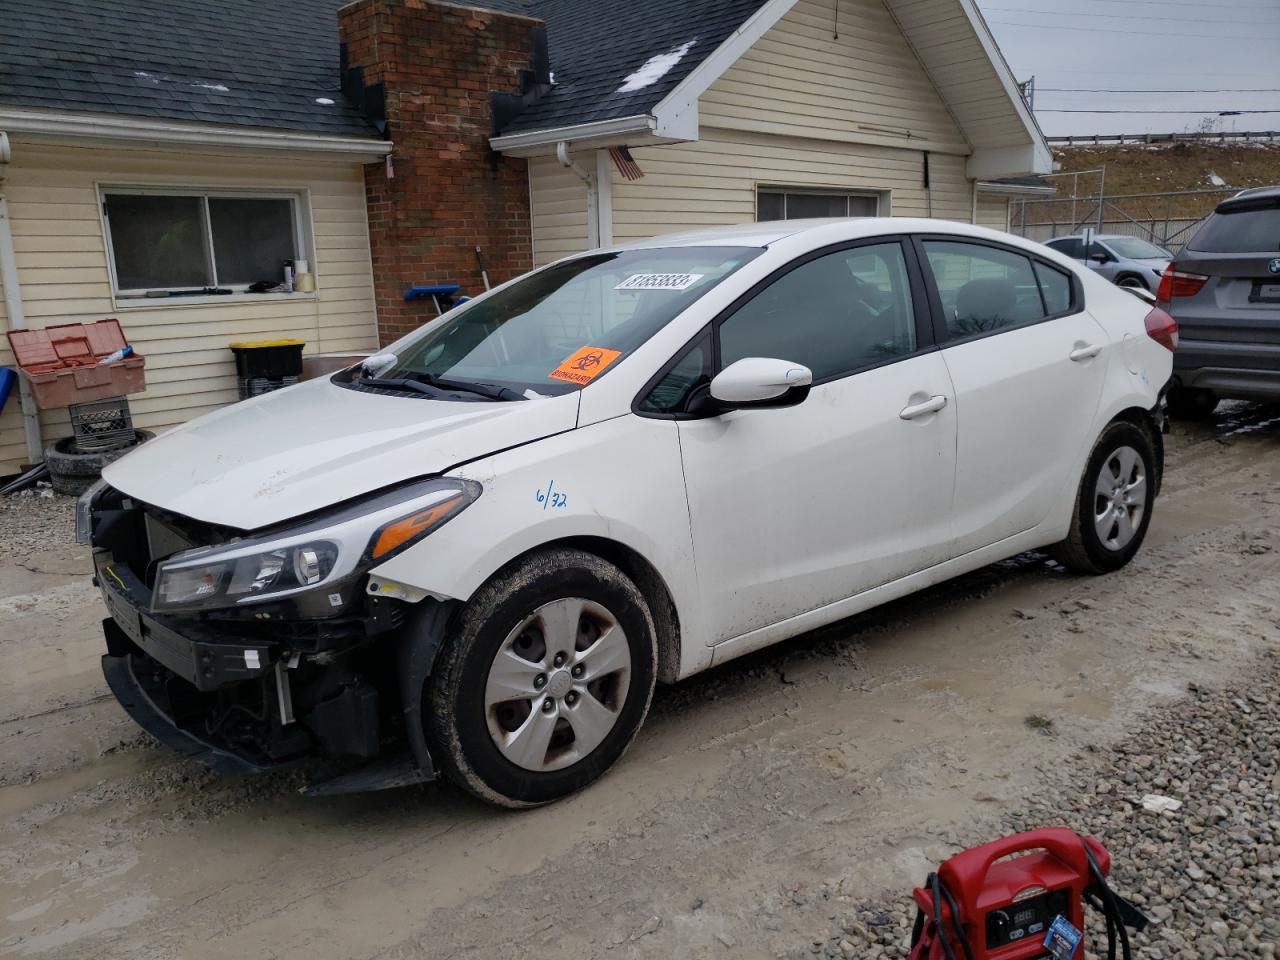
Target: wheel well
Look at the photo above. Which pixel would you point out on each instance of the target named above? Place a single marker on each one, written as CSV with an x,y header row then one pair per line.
x,y
1131,275
653,588
1146,421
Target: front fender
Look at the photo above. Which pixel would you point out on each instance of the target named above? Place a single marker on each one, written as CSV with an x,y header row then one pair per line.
x,y
620,480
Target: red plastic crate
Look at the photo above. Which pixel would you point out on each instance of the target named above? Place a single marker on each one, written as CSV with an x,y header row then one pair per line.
x,y
62,363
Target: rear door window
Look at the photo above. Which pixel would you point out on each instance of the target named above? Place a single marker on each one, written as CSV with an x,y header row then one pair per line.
x,y
1071,247
983,288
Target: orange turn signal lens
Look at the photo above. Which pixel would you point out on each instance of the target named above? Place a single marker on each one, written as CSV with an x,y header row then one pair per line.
x,y
397,534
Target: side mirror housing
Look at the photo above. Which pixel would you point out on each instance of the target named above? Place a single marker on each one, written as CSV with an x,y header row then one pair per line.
x,y
1100,257
761,382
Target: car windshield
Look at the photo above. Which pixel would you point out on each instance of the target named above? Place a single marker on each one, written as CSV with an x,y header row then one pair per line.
x,y
1135,248
558,329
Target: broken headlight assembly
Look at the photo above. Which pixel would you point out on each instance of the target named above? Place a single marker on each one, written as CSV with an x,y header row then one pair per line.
x,y
316,555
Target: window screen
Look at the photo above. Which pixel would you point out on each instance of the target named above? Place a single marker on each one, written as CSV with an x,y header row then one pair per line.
x,y
782,204
182,242
158,241
252,237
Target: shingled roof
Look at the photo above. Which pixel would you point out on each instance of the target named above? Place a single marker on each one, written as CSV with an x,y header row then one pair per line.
x,y
620,58
256,63
274,63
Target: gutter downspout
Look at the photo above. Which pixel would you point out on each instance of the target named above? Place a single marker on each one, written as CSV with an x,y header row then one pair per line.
x,y
593,197
17,317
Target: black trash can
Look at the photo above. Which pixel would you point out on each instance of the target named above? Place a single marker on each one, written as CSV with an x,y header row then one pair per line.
x,y
266,365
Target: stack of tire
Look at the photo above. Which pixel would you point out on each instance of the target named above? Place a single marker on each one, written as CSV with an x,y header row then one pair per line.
x,y
72,470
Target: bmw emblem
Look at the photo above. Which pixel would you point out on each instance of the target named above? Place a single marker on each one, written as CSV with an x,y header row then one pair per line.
x,y
1274,265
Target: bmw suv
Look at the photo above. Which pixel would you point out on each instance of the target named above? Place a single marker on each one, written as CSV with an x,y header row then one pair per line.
x,y
1224,291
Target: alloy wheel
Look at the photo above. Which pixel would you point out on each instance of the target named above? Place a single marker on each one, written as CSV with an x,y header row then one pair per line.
x,y
1120,498
557,684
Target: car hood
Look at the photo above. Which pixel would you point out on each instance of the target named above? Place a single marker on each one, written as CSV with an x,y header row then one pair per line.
x,y
297,450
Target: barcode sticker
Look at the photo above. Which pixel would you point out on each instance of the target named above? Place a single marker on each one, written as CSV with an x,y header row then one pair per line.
x,y
660,281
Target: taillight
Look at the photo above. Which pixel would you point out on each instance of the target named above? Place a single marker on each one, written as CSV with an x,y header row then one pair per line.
x,y
1162,328
1177,283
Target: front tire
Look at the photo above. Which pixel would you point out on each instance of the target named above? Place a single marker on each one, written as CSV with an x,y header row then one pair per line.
x,y
1113,503
543,681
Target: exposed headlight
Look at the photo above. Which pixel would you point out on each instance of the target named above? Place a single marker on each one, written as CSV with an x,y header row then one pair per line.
x,y
315,555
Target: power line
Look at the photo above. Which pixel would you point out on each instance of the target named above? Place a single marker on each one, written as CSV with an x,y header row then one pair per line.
x,y
1199,4
1230,113
1149,90
1092,16
1123,34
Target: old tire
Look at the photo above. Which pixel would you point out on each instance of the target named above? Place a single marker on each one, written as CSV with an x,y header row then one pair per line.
x,y
1113,502
544,679
72,473
1191,403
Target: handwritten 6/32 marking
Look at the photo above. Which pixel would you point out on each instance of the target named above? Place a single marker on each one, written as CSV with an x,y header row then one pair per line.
x,y
551,497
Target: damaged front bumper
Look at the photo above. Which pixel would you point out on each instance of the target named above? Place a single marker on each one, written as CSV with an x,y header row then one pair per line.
x,y
241,700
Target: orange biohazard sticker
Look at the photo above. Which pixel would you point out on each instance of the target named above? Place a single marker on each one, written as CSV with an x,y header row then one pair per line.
x,y
585,365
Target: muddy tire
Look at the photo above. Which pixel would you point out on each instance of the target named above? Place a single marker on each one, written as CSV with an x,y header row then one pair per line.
x,y
543,680
1113,503
72,473
1191,403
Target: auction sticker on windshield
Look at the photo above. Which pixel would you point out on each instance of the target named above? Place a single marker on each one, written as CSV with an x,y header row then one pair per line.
x,y
585,365
660,281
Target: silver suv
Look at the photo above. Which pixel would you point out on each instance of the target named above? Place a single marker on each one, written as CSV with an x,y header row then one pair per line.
x,y
1224,291
1125,261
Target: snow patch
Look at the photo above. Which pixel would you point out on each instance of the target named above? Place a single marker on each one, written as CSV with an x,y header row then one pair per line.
x,y
655,68
219,87
324,101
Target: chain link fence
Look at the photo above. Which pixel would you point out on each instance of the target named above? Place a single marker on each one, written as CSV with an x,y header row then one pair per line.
x,y
1160,218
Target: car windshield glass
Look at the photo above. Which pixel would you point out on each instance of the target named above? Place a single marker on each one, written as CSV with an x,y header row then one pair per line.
x,y
1241,231
1135,248
558,329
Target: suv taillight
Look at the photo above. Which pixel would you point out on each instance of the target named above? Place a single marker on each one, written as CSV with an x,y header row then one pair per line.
x,y
1176,283
1162,328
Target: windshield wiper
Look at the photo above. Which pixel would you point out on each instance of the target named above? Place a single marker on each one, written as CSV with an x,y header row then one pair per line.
x,y
438,387
399,383
490,390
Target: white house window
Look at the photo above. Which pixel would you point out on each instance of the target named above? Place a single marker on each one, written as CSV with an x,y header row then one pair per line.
x,y
171,242
783,203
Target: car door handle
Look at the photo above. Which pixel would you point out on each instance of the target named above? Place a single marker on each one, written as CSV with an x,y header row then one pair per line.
x,y
932,405
1086,352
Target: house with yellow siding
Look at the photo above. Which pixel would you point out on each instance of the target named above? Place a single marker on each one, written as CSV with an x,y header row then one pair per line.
x,y
160,160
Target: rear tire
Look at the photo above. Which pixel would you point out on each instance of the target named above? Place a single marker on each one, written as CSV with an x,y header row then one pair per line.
x,y
1191,403
1113,503
1132,280
543,681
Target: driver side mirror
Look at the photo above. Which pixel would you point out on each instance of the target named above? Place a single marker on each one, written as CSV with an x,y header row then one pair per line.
x,y
1100,257
761,382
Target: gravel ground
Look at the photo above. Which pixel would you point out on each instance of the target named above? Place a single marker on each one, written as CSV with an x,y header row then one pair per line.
x,y
1206,873
36,520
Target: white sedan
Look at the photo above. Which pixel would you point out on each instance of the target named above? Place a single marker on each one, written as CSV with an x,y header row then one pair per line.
x,y
475,553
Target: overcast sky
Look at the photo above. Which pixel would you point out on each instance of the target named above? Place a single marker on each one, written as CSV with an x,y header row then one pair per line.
x,y
1225,47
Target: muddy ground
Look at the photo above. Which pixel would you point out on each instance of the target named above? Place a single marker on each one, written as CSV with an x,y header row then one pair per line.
x,y
839,765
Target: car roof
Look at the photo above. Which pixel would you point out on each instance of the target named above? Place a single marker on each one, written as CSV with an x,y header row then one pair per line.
x,y
1102,236
768,232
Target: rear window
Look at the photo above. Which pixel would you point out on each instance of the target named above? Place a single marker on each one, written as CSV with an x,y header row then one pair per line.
x,y
1249,230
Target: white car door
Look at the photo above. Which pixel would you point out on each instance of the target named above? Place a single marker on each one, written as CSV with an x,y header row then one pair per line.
x,y
1028,364
799,507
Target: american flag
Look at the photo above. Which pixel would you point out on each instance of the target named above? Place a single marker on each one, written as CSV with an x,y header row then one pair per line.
x,y
626,165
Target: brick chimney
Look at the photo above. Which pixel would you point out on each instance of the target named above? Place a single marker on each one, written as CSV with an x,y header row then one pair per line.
x,y
429,70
